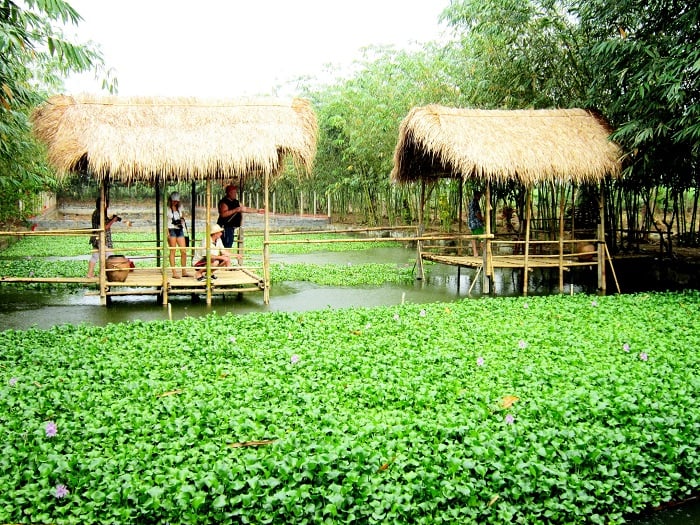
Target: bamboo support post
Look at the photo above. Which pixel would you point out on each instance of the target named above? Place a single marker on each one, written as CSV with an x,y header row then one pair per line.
x,y
601,237
528,216
612,268
421,229
266,243
562,205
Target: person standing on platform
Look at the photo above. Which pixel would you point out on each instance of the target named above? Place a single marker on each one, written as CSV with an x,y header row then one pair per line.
x,y
95,239
230,215
176,234
476,220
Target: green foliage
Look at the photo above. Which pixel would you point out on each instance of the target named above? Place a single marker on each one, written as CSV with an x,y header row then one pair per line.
x,y
35,58
518,54
540,410
343,275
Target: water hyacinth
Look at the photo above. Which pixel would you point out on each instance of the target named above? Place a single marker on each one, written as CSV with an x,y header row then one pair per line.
x,y
61,491
510,419
626,347
396,317
422,313
480,361
522,344
51,429
12,381
643,356
294,359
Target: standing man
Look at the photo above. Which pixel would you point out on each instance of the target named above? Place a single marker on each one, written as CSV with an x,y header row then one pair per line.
x,y
230,214
476,220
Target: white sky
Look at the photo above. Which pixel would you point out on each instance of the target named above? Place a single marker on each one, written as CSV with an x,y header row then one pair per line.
x,y
231,48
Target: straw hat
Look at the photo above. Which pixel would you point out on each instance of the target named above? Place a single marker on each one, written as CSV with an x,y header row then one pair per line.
x,y
215,228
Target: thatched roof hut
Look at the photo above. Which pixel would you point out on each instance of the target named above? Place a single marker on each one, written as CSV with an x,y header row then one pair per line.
x,y
140,138
496,145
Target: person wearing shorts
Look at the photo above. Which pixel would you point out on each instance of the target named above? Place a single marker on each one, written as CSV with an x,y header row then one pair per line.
x,y
176,234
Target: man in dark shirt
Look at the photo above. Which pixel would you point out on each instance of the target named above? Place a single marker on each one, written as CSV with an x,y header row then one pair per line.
x,y
230,214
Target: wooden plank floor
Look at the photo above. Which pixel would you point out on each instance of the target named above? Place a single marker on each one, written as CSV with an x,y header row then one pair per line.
x,y
227,280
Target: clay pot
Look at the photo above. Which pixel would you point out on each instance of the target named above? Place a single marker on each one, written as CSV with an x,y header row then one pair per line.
x,y
582,250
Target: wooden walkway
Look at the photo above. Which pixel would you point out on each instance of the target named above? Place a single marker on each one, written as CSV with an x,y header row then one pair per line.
x,y
508,261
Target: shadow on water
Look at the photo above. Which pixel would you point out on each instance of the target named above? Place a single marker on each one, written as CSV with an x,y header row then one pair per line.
x,y
43,309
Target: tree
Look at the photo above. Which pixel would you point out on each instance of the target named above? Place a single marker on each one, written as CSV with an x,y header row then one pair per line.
x,y
646,62
518,53
34,57
359,119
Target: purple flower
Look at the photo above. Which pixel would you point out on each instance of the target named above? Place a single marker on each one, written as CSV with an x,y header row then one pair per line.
x,y
294,359
594,303
522,344
61,491
480,361
51,429
626,347
12,381
368,326
396,317
643,356
510,419
526,306
422,313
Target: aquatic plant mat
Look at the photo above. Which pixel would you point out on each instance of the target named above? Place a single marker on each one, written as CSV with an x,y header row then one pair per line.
x,y
560,409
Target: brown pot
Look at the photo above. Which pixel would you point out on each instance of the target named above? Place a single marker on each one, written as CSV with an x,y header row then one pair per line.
x,y
118,268
586,252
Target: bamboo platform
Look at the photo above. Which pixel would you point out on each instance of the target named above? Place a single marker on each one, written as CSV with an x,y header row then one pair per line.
x,y
508,261
150,281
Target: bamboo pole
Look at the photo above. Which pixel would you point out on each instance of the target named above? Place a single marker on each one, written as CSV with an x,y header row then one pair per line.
x,y
562,206
266,245
164,248
528,216
208,244
102,253
487,274
612,268
601,243
421,229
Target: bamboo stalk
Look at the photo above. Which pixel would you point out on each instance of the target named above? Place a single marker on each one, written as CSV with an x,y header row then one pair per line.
x,y
617,284
528,217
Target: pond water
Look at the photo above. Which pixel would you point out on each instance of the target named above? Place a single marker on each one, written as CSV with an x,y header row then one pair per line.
x,y
44,309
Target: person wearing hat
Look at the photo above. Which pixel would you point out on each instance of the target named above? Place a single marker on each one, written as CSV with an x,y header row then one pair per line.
x,y
176,234
219,255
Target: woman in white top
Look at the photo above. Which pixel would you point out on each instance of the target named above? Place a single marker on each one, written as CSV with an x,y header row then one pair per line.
x,y
176,233
219,255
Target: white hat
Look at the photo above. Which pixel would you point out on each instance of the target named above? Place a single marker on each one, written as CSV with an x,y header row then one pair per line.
x,y
215,228
175,196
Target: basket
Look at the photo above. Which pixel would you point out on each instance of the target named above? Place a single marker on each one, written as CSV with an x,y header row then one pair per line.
x,y
118,268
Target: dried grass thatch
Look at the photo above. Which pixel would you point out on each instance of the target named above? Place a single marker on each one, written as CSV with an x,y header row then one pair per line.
x,y
528,145
175,138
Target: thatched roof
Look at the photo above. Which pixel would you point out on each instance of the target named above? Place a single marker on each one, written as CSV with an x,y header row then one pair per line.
x,y
143,138
497,145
